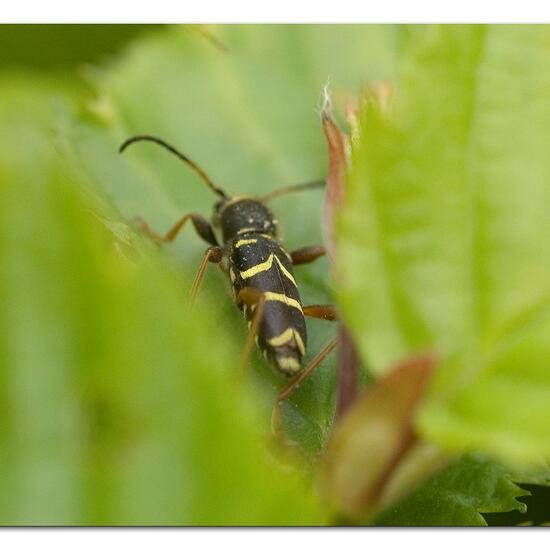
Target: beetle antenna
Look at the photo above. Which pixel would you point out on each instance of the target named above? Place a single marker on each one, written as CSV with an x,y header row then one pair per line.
x,y
292,189
178,154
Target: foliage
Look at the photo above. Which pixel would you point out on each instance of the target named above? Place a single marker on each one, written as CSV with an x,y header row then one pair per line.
x,y
119,403
112,411
224,110
443,239
457,495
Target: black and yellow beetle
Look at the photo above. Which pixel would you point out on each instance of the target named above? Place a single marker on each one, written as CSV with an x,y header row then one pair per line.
x,y
260,271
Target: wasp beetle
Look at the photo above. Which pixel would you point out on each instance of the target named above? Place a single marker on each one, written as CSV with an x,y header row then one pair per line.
x,y
260,270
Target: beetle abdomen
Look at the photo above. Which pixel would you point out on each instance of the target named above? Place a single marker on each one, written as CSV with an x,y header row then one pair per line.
x,y
262,263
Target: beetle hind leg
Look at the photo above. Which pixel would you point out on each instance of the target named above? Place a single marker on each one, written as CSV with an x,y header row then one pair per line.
x,y
288,390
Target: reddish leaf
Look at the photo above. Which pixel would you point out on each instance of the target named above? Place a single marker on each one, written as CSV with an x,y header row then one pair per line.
x,y
371,442
336,176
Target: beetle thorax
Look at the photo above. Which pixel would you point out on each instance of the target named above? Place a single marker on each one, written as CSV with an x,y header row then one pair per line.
x,y
240,215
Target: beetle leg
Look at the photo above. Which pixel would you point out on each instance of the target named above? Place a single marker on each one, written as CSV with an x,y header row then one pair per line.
x,y
307,254
202,227
251,297
213,254
324,311
288,390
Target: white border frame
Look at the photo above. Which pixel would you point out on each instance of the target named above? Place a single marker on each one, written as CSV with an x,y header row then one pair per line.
x,y
282,11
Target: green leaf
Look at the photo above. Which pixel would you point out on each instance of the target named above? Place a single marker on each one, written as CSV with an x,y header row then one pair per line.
x,y
248,117
458,495
118,404
442,241
43,48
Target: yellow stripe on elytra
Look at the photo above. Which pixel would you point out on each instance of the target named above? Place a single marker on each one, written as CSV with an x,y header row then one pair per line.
x,y
242,242
258,268
286,272
266,266
300,342
276,297
286,337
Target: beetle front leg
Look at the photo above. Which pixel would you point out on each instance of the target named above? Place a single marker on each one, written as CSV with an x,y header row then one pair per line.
x,y
214,254
202,227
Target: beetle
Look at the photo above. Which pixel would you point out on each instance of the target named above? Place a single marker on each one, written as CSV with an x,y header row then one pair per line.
x,y
260,271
